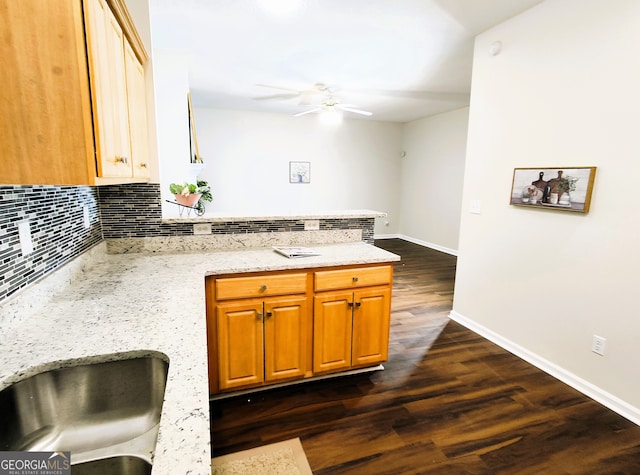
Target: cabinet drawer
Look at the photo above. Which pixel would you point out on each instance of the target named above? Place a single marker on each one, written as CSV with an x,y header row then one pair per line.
x,y
260,286
352,278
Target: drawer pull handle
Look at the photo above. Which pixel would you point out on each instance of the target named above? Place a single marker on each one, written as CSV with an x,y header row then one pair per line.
x,y
263,288
355,279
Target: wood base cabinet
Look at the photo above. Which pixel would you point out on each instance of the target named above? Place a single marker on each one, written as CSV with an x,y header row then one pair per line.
x,y
261,341
274,327
351,328
258,329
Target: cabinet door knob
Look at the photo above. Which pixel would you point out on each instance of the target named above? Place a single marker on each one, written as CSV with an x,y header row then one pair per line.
x,y
358,304
269,314
143,165
259,315
263,288
350,304
355,279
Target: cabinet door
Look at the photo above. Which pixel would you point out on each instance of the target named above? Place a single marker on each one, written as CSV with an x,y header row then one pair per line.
x,y
137,108
121,166
286,323
371,315
109,90
45,108
240,344
332,330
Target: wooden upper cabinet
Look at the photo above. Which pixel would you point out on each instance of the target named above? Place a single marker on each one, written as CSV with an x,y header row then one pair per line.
x,y
64,99
46,134
137,109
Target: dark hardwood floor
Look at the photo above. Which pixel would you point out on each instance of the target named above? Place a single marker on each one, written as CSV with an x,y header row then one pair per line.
x,y
448,402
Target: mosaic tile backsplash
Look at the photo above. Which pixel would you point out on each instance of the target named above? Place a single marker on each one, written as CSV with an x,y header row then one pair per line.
x,y
130,211
57,223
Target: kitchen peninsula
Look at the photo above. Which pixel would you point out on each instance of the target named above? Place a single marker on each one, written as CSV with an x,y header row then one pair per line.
x,y
103,307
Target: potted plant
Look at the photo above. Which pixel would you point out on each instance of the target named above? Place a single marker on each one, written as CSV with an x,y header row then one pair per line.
x,y
565,185
192,195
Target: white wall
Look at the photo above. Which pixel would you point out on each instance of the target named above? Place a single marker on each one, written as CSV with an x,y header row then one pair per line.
x,y
353,166
563,92
171,87
432,173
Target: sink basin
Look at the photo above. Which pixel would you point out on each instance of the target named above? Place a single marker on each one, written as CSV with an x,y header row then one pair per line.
x,y
124,465
95,411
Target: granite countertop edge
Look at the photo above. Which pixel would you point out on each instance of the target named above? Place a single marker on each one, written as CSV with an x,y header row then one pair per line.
x,y
235,217
126,305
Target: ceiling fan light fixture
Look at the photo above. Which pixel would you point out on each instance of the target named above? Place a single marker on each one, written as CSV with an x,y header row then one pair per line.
x,y
330,116
281,8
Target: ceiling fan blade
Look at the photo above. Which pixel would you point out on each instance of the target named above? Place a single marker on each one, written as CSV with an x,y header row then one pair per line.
x,y
357,111
279,87
276,96
315,109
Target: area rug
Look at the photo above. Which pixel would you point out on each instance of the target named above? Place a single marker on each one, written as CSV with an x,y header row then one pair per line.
x,y
281,458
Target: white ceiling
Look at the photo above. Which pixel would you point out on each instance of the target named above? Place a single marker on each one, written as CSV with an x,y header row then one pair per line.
x,y
400,59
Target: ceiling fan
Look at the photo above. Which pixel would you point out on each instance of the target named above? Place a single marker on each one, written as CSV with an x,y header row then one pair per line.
x,y
330,104
307,96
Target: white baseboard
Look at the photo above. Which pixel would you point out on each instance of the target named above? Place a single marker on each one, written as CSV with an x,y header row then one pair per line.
x,y
420,242
614,403
386,236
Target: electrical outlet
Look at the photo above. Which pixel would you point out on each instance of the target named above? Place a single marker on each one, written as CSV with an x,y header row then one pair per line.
x,y
598,345
312,225
202,228
24,232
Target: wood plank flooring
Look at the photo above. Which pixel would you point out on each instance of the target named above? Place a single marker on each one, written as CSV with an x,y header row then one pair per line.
x,y
448,402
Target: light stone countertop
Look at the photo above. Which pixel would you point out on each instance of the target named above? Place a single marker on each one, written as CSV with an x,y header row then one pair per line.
x,y
102,307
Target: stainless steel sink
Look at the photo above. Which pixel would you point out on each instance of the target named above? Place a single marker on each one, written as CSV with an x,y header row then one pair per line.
x,y
95,411
124,465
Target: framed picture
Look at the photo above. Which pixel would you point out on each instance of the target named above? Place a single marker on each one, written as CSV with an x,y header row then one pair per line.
x,y
299,172
559,188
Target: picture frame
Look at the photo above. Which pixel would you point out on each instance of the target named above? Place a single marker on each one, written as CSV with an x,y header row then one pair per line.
x,y
555,188
194,155
299,172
